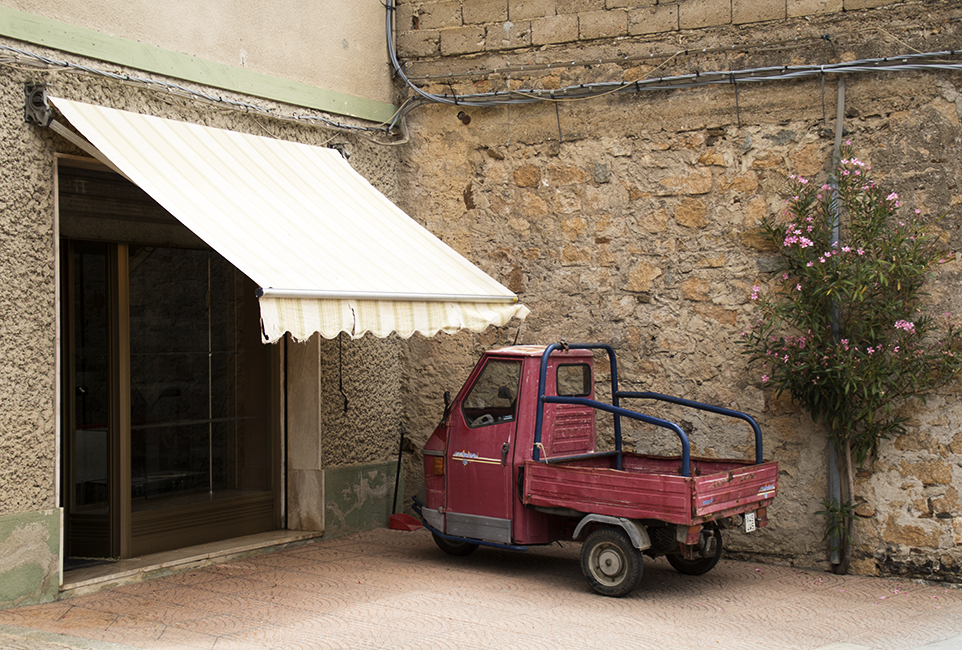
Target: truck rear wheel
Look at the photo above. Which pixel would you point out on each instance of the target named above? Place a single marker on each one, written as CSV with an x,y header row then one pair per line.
x,y
454,547
612,566
702,565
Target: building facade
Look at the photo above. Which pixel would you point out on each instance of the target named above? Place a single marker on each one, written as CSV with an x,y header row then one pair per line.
x,y
145,412
622,204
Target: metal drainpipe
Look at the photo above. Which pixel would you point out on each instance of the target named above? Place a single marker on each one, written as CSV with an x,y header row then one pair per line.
x,y
834,477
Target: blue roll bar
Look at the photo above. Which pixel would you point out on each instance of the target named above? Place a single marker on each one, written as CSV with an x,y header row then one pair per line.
x,y
618,412
718,410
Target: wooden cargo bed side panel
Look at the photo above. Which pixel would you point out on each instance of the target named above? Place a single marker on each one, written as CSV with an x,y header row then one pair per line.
x,y
740,488
608,492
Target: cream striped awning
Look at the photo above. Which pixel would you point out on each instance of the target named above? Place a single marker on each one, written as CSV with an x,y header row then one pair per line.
x,y
329,251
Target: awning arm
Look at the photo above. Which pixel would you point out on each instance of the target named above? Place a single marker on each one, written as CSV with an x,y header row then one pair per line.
x,y
82,143
270,292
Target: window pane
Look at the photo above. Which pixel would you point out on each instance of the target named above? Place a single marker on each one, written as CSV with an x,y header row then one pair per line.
x,y
200,402
91,381
493,397
574,380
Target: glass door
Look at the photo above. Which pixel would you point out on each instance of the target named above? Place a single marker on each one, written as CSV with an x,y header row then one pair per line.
x,y
169,435
87,402
199,381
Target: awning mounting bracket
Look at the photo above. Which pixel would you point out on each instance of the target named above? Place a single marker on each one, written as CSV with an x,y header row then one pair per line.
x,y
36,108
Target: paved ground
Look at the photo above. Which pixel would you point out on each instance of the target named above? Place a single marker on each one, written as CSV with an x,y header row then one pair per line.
x,y
391,590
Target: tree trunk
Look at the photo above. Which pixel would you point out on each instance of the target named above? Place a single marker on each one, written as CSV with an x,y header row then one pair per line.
x,y
847,497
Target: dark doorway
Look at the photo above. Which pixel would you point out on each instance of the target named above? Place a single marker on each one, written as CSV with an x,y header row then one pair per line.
x,y
168,429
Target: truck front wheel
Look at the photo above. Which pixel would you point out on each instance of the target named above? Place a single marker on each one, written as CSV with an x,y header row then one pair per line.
x,y
454,547
612,566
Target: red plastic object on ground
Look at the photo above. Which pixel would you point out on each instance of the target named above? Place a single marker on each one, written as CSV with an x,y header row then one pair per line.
x,y
402,521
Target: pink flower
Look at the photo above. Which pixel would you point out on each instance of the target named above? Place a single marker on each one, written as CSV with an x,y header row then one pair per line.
x,y
764,378
892,197
905,325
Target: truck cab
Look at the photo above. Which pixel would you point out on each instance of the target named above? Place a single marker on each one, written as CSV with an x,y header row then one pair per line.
x,y
473,460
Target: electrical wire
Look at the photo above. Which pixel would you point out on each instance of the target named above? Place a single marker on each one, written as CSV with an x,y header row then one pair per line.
x,y
915,62
395,129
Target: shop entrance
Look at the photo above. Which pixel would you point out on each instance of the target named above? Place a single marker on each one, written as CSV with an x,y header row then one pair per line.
x,y
168,432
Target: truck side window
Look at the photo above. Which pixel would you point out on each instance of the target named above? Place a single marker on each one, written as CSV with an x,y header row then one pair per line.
x,y
493,398
573,380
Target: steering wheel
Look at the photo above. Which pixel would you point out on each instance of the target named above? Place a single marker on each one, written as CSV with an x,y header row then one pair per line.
x,y
485,419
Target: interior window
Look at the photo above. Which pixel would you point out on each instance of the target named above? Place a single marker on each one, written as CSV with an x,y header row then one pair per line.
x,y
493,398
574,380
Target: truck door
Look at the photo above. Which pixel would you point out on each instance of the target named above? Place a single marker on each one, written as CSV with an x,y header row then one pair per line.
x,y
479,454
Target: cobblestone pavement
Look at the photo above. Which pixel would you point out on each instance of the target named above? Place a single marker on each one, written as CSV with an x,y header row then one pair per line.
x,y
392,590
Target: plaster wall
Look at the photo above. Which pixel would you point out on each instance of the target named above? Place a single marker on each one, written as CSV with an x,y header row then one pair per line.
x,y
634,220
27,313
317,43
323,436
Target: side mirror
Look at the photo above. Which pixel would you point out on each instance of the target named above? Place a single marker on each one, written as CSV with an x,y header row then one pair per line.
x,y
447,404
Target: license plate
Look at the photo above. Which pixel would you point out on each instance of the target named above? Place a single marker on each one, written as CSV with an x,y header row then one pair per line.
x,y
749,522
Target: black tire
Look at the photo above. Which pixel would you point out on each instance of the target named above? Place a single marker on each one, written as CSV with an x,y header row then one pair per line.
x,y
453,547
612,566
699,566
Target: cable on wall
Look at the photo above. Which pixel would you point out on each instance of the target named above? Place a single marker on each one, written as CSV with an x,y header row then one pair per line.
x,y
394,131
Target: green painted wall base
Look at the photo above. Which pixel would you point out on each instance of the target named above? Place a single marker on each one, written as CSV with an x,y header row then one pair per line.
x,y
29,558
359,498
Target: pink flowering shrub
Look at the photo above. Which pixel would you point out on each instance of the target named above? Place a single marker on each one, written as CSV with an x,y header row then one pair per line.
x,y
844,330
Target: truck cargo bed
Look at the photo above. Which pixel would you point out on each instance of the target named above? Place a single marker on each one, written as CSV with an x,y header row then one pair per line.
x,y
651,487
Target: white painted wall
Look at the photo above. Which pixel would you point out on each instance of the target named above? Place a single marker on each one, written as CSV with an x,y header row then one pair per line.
x,y
332,44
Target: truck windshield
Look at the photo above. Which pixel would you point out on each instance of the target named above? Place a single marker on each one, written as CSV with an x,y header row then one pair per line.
x,y
493,398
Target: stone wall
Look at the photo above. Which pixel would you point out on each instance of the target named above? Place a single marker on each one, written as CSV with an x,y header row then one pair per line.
x,y
634,219
464,27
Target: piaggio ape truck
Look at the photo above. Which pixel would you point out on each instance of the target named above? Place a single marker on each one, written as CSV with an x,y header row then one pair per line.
x,y
514,464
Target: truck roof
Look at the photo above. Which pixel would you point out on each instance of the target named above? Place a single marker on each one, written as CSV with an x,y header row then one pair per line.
x,y
537,351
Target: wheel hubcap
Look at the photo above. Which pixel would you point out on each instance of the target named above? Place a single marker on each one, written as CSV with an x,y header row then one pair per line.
x,y
610,562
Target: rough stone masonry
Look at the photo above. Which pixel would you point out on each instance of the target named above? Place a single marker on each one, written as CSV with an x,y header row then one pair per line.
x,y
634,218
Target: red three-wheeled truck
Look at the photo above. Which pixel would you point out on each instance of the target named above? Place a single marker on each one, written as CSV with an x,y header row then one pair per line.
x,y
514,463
